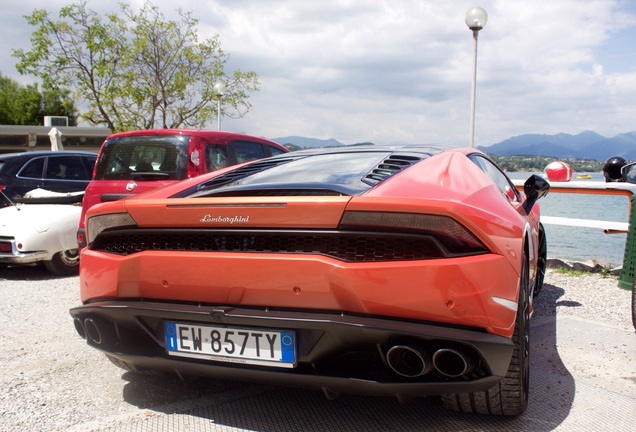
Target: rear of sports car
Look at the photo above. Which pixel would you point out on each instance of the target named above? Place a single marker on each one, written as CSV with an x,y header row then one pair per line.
x,y
395,273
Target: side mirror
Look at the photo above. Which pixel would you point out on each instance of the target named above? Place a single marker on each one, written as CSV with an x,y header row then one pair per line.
x,y
535,187
629,172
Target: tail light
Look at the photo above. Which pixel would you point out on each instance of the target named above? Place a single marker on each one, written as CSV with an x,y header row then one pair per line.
x,y
97,224
194,163
453,236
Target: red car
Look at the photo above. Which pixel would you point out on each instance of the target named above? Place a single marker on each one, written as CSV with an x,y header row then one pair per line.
x,y
137,161
395,271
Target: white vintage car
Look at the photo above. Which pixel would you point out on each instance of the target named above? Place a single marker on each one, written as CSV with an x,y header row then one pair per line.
x,y
41,229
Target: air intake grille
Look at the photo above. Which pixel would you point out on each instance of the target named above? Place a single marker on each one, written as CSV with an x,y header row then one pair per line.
x,y
344,246
390,166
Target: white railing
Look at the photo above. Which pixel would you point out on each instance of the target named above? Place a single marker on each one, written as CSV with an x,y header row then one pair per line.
x,y
593,188
601,188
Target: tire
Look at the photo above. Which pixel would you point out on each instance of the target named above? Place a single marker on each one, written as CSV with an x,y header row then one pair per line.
x,y
510,396
65,263
542,260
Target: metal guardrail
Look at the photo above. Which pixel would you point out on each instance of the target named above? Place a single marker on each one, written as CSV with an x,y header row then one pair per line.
x,y
627,190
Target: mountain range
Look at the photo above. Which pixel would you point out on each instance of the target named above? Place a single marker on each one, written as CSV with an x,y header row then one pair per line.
x,y
585,145
308,142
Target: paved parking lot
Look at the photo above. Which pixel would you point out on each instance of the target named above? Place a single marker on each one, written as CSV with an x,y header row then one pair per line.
x,y
583,377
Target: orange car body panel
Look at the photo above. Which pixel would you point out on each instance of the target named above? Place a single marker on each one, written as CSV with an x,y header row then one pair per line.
x,y
411,290
324,212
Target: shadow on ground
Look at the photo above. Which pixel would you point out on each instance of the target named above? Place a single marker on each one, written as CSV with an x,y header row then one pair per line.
x,y
25,273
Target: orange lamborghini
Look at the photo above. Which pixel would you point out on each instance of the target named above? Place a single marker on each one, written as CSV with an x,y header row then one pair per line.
x,y
395,271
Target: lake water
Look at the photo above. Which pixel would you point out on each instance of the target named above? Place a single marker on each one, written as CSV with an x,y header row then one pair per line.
x,y
583,244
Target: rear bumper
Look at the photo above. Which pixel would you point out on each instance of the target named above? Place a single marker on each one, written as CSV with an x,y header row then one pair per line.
x,y
336,353
458,291
17,257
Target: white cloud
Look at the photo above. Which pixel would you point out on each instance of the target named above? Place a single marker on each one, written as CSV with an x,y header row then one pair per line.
x,y
400,70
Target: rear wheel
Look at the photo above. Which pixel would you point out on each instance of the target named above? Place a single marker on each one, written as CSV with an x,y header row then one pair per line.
x,y
65,263
510,396
542,260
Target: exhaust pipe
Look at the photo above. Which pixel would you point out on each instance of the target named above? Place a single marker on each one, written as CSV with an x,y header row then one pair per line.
x,y
79,327
451,363
408,361
92,331
99,331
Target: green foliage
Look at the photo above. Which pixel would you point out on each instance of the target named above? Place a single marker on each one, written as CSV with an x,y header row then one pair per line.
x,y
605,272
58,102
538,163
135,70
25,105
571,272
293,147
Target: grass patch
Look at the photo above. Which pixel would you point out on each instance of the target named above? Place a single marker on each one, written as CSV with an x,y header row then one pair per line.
x,y
605,272
571,272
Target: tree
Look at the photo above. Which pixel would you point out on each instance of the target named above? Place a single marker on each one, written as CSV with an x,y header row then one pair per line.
x,y
25,105
58,102
135,70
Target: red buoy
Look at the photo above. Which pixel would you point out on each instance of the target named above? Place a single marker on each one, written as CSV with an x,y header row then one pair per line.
x,y
558,171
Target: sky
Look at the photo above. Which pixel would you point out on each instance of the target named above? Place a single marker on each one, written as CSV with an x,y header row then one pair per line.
x,y
400,71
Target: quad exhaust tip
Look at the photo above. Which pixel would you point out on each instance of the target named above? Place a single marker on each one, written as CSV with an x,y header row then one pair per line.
x,y
92,331
408,361
79,327
95,330
451,363
412,362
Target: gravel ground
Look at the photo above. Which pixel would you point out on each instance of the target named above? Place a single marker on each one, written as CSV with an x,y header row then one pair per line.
x,y
53,382
588,296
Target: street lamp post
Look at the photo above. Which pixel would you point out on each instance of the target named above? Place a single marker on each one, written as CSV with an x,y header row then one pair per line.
x,y
219,90
476,19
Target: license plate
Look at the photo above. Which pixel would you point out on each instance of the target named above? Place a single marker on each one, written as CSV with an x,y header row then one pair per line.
x,y
237,345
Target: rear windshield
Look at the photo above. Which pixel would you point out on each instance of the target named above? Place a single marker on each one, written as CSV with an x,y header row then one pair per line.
x,y
145,157
342,172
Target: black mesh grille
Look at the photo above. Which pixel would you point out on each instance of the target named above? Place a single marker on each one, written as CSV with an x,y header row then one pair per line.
x,y
345,246
390,166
